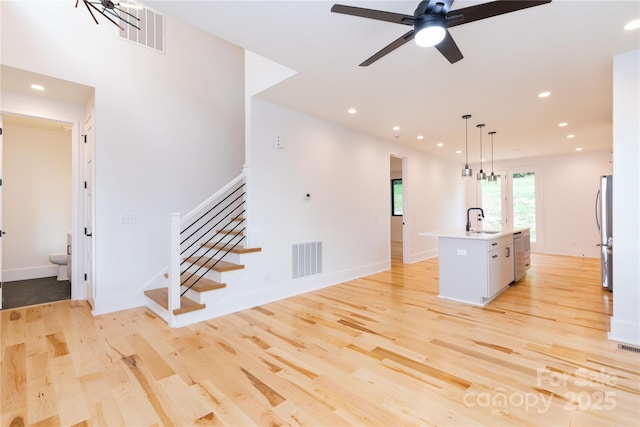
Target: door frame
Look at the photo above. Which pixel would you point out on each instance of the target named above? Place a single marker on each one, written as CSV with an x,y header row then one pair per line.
x,y
77,209
405,207
507,200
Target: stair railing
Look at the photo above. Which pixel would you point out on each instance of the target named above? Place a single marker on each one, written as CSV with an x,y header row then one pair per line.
x,y
219,223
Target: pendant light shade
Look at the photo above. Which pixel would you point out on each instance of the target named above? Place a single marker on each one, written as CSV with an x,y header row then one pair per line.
x,y
481,175
492,177
466,172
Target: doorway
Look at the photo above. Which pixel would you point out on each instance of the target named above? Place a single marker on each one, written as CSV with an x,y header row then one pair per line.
x,y
398,209
514,200
62,101
36,210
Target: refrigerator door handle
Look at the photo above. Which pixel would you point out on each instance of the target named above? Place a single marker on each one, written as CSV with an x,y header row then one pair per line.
x,y
597,220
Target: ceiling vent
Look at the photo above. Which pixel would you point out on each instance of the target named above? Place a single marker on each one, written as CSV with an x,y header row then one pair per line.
x,y
151,32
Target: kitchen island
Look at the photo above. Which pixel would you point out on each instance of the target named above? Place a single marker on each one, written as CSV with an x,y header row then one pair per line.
x,y
475,266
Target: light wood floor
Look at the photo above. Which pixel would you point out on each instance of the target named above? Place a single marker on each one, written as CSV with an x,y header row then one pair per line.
x,y
382,350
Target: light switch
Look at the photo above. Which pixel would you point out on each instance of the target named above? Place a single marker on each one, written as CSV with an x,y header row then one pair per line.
x,y
279,141
127,218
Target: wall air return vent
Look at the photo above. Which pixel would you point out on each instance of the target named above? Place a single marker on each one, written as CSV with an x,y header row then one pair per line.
x,y
306,259
151,32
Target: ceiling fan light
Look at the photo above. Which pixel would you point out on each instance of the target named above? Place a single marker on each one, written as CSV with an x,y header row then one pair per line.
x,y
430,33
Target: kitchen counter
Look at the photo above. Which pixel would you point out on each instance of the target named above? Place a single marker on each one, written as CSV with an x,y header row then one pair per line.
x,y
475,267
478,235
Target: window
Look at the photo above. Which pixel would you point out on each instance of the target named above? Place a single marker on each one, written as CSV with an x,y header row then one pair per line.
x,y
396,197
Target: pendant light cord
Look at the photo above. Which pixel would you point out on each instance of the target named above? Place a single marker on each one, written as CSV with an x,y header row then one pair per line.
x,y
480,126
466,118
492,151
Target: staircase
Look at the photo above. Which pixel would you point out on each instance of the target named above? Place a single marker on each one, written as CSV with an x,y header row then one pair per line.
x,y
207,252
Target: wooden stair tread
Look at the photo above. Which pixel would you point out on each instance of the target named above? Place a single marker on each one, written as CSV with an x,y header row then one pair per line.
x,y
231,232
202,285
220,266
161,297
239,249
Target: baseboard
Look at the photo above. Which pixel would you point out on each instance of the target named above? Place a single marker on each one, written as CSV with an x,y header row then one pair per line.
x,y
625,332
28,273
570,252
421,256
118,302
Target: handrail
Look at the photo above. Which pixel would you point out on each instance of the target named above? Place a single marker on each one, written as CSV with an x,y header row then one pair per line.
x,y
187,217
203,225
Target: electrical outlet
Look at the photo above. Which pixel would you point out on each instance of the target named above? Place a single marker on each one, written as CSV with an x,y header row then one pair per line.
x,y
462,252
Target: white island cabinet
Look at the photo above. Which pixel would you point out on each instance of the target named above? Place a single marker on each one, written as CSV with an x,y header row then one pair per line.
x,y
474,267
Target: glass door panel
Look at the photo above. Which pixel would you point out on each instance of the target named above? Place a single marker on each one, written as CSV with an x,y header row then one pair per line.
x,y
523,187
494,202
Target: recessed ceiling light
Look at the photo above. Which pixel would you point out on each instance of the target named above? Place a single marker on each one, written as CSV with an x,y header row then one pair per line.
x,y
544,94
632,25
37,87
439,144
458,151
570,136
419,137
396,128
579,149
563,124
352,111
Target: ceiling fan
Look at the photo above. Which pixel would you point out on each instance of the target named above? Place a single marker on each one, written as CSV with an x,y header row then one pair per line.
x,y
431,21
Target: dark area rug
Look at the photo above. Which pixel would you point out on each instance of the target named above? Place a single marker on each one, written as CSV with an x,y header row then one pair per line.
x,y
35,291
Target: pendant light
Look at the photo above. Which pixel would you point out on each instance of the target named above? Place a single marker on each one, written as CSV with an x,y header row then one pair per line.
x,y
492,177
466,172
481,175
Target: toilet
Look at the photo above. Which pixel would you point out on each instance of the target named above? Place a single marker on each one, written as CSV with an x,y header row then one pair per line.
x,y
61,260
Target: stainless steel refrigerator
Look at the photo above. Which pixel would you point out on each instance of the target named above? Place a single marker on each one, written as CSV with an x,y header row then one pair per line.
x,y
604,220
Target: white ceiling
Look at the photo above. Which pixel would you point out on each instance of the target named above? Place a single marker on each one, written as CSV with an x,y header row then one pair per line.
x,y
565,47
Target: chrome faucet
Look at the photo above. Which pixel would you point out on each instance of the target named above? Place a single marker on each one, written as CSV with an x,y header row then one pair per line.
x,y
468,220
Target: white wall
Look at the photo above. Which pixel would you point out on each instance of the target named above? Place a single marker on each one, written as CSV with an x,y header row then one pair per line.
x,y
625,323
36,199
568,186
169,127
347,175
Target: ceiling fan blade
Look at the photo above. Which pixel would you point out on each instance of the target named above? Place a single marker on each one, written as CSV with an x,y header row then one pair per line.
x,y
379,15
389,48
449,49
487,10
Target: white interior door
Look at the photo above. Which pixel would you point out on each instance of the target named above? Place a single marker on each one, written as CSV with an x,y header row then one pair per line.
x,y
88,275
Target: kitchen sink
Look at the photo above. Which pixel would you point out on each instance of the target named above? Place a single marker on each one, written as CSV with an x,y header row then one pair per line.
x,y
485,231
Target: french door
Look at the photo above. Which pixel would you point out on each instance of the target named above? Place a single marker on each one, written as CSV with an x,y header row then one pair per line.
x,y
513,201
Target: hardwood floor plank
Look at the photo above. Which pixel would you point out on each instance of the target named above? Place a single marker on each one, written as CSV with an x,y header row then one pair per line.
x,y
379,350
